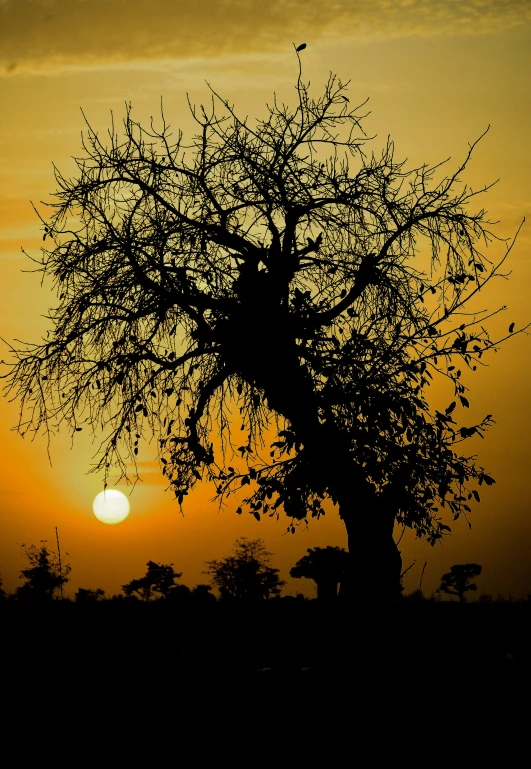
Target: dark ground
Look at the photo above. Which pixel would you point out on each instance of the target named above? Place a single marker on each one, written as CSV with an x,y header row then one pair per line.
x,y
437,669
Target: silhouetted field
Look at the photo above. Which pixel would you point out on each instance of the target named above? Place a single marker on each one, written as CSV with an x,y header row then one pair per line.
x,y
130,652
135,682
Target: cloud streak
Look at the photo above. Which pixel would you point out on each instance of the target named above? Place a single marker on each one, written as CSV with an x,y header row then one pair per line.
x,y
40,34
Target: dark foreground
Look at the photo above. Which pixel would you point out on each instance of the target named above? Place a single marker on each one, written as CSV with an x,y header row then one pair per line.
x,y
430,667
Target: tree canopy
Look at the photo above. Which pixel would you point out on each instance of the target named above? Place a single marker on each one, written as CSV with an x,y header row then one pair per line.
x,y
270,277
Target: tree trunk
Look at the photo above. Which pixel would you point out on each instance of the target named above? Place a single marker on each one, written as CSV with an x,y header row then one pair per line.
x,y
327,589
273,365
371,590
375,565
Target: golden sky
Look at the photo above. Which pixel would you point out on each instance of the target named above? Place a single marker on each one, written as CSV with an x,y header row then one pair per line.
x,y
437,74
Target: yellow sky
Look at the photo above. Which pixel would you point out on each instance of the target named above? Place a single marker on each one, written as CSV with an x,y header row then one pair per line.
x,y
437,73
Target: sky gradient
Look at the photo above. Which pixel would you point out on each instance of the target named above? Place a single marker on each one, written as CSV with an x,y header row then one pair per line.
x,y
437,75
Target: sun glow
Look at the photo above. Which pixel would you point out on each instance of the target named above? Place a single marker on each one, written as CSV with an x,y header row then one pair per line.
x,y
111,506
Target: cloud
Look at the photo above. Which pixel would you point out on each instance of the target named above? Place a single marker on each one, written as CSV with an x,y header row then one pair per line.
x,y
150,473
36,34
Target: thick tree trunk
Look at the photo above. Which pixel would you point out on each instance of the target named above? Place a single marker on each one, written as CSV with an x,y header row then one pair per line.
x,y
375,561
375,566
327,589
371,590
273,365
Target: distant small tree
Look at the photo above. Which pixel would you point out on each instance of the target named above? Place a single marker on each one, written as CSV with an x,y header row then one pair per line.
x,y
44,576
203,594
85,596
159,578
121,598
414,597
326,566
180,593
457,580
3,595
246,574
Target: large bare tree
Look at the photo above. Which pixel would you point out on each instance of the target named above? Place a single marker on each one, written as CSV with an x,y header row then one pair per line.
x,y
271,282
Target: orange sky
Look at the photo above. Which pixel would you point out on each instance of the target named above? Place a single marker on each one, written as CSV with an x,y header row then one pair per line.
x,y
436,73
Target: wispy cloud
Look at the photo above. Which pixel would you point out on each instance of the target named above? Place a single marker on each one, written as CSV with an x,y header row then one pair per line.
x,y
36,34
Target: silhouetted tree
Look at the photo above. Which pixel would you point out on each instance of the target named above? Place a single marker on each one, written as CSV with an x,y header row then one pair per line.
x,y
281,269
203,595
457,580
415,597
3,595
246,575
86,596
44,575
180,593
159,578
326,566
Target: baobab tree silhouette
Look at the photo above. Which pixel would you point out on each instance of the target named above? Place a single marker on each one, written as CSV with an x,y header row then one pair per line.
x,y
326,566
458,581
277,270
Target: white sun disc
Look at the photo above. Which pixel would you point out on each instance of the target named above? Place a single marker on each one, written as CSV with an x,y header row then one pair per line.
x,y
111,506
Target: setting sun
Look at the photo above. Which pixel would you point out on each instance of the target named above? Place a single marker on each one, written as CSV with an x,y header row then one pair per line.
x,y
111,506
